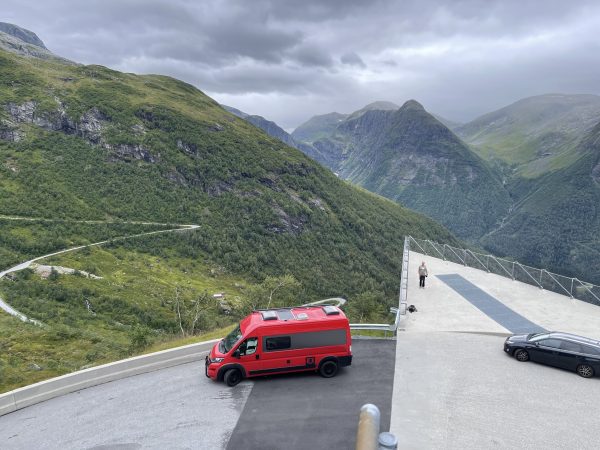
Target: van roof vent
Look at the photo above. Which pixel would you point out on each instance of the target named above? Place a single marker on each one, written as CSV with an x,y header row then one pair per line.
x,y
285,314
269,315
302,316
331,310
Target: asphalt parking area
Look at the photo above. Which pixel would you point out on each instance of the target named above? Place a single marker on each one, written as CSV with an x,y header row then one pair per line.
x,y
305,411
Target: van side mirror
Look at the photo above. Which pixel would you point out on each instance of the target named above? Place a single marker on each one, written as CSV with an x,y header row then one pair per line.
x,y
236,354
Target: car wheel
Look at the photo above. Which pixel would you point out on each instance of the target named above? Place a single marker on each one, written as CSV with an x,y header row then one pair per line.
x,y
232,377
522,355
585,371
328,369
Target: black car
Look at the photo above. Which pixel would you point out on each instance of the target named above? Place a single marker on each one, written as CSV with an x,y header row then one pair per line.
x,y
563,350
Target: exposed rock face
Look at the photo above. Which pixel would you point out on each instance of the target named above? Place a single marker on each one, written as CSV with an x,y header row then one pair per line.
x,y
190,149
22,113
128,151
22,34
287,223
25,43
9,132
90,127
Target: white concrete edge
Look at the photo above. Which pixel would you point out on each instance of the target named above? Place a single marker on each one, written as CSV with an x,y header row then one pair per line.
x,y
55,387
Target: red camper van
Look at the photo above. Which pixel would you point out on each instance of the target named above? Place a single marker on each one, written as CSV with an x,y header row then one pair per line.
x,y
302,338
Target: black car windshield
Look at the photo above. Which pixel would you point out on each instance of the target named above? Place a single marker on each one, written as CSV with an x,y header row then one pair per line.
x,y
230,340
537,336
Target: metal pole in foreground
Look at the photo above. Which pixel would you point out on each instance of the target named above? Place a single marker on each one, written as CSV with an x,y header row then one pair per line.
x,y
368,428
368,436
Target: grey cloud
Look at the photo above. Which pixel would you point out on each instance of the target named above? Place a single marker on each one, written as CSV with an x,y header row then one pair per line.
x,y
352,59
312,56
459,59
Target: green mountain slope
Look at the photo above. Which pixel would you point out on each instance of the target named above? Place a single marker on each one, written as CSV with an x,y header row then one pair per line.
x,y
557,223
88,142
410,157
535,135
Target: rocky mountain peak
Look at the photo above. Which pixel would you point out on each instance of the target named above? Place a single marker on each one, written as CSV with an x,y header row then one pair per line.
x,y
381,105
29,37
412,104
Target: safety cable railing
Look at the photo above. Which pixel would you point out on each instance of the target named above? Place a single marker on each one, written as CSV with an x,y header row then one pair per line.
x,y
570,286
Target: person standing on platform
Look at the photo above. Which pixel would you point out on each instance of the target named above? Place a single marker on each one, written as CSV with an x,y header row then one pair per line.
x,y
422,275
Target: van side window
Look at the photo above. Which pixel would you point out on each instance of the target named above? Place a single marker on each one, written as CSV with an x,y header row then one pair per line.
x,y
278,343
248,347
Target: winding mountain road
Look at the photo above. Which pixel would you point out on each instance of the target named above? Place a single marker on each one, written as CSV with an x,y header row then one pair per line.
x,y
13,312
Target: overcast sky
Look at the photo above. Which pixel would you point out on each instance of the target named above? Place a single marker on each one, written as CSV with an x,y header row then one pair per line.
x,y
290,60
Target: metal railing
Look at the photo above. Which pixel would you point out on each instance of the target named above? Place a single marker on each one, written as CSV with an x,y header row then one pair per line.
x,y
572,287
402,298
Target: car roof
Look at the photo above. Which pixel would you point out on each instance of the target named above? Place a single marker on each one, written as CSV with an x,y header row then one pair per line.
x,y
574,337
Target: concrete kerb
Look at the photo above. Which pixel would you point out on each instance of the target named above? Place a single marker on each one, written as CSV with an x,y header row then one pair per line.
x,y
55,387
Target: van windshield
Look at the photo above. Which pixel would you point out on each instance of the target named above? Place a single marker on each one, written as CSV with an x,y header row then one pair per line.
x,y
229,341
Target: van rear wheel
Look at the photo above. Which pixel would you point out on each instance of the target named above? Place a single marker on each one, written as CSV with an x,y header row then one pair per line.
x,y
328,369
232,377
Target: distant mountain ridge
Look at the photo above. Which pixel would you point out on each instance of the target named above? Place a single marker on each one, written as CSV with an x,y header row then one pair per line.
x,y
407,155
318,127
535,135
268,126
274,130
556,220
533,197
22,34
23,42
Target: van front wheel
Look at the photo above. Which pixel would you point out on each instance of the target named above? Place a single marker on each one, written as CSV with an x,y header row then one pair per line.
x,y
328,369
232,377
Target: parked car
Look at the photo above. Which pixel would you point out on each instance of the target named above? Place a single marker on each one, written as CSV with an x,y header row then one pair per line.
x,y
564,350
303,338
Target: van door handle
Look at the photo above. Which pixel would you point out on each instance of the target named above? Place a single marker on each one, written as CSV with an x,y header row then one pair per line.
x,y
257,356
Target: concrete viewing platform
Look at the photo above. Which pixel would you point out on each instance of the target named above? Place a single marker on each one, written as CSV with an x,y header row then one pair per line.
x,y
454,388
